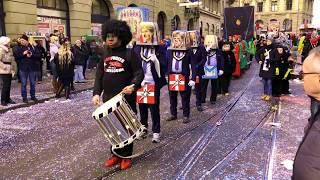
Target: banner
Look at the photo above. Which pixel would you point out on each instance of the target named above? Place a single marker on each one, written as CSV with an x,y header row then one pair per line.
x,y
239,21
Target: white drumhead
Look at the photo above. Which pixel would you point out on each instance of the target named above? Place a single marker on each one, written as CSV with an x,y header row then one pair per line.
x,y
108,107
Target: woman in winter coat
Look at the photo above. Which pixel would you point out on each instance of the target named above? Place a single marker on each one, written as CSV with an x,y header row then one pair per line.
x,y
229,67
80,57
307,161
267,69
64,62
7,70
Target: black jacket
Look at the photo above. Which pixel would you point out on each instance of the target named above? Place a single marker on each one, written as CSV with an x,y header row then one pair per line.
x,y
220,61
80,55
25,63
198,55
229,62
119,68
65,71
186,62
269,72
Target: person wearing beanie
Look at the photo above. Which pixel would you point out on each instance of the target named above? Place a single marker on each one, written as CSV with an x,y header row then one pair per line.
x,y
119,71
307,160
7,70
80,57
267,69
27,57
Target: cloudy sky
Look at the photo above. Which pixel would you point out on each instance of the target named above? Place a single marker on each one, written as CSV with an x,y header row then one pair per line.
x,y
316,13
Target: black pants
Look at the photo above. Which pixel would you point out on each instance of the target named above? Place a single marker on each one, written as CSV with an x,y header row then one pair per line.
x,y
204,86
40,73
225,82
48,64
284,86
155,116
6,86
276,87
198,92
85,68
185,99
128,149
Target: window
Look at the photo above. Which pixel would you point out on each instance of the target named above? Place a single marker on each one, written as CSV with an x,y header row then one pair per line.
x,y
52,4
274,6
246,4
289,4
287,25
260,6
212,29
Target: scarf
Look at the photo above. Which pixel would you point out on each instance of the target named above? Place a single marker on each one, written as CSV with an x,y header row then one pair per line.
x,y
146,57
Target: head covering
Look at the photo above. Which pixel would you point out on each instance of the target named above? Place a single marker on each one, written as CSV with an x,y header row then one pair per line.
x,y
4,40
25,37
312,81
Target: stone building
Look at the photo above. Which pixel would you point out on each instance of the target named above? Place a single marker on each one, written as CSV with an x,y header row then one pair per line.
x,y
83,17
290,13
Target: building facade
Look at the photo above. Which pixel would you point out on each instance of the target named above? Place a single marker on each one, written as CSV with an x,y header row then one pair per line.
x,y
291,14
76,18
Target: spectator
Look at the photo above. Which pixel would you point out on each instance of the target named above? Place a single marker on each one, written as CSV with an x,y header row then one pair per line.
x,y
43,53
27,57
307,160
54,46
86,45
80,57
65,68
15,44
7,70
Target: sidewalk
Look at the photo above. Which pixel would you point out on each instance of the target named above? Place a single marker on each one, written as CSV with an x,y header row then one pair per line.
x,y
44,91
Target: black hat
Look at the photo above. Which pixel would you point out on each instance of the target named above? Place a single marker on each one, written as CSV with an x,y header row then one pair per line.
x,y
25,37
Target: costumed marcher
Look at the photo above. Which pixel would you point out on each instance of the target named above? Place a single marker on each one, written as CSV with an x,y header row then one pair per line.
x,y
267,69
280,83
178,67
120,71
228,69
64,62
213,68
152,56
310,42
198,55
307,160
237,53
7,70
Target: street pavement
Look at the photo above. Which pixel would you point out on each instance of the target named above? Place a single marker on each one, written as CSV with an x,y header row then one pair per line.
x,y
236,138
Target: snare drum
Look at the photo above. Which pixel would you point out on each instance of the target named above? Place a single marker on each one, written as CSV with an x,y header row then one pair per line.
x,y
118,122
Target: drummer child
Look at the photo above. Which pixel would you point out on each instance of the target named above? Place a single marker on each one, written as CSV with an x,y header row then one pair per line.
x,y
120,71
152,57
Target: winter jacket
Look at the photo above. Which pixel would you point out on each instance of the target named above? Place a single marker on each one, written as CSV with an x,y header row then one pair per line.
x,y
28,63
65,71
268,66
229,62
80,55
220,61
7,64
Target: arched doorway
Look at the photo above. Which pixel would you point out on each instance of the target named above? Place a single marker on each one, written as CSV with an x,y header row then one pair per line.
x,y
100,14
162,18
175,23
201,28
2,27
190,25
213,29
207,31
132,5
53,15
287,25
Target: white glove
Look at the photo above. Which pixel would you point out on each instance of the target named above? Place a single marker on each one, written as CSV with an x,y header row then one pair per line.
x,y
208,48
191,83
143,83
220,72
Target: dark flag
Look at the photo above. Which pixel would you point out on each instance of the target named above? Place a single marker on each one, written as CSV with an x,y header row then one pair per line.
x,y
239,21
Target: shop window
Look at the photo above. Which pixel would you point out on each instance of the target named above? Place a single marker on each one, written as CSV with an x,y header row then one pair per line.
x,y
99,16
212,29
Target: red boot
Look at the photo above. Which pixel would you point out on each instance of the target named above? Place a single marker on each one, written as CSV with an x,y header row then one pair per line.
x,y
112,161
125,164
